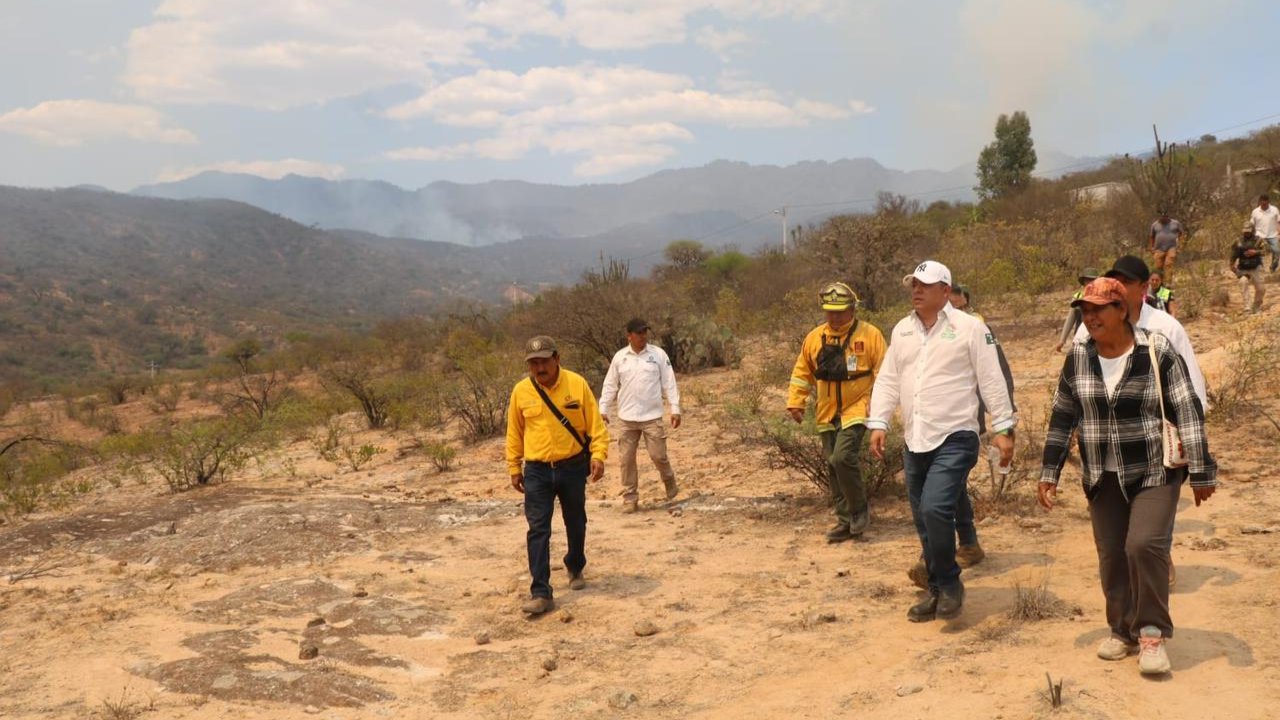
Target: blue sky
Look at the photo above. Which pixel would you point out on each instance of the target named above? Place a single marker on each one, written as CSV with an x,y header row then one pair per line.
x,y
126,92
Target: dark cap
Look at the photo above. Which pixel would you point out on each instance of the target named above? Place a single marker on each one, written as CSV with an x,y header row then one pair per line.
x,y
636,325
1131,267
1088,275
540,346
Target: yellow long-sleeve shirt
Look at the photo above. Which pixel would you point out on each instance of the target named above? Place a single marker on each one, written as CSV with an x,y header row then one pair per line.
x,y
863,357
533,433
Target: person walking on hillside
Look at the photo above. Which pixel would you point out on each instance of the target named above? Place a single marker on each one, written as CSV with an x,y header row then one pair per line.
x,y
840,359
969,551
1160,296
556,440
1072,323
1132,273
640,376
1246,265
1266,225
940,363
1116,389
1165,234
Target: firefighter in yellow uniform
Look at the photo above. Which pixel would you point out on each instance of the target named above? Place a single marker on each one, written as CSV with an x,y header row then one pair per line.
x,y
556,442
840,359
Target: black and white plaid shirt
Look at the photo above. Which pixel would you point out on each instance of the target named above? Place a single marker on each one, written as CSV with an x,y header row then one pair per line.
x,y
1128,423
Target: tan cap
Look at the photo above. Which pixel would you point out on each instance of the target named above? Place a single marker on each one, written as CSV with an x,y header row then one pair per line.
x,y
539,346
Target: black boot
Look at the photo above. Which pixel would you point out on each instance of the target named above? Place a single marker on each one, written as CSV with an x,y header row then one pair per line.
x,y
925,610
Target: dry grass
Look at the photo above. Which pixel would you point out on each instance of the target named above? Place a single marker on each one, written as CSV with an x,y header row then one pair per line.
x,y
1035,603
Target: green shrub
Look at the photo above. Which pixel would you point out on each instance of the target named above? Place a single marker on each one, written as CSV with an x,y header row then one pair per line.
x,y
441,454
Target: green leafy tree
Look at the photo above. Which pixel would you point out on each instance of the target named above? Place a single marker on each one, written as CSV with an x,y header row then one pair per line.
x,y
1004,166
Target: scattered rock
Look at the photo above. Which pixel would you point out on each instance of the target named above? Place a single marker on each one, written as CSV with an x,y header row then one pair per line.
x,y
1030,523
1259,530
622,699
792,583
645,628
819,618
315,622
905,690
360,592
565,616
1212,543
842,572
775,633
549,663
308,652
482,638
677,512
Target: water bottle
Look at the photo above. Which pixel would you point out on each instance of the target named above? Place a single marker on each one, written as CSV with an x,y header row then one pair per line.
x,y
993,455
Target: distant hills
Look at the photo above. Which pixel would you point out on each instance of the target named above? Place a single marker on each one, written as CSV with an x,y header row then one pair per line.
x,y
720,199
94,280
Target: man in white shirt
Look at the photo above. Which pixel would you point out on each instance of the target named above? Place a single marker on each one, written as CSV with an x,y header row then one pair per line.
x,y
1133,273
1266,225
638,378
941,361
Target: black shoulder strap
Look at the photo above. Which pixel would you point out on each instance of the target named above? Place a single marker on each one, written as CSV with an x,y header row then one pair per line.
x,y
559,415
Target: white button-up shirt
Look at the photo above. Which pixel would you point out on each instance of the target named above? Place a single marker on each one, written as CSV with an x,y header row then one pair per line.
x,y
935,377
637,382
1159,321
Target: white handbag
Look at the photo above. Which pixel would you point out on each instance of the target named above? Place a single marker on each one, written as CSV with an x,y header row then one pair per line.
x,y
1175,453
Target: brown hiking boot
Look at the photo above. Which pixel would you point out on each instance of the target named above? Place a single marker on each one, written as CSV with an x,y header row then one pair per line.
x,y
672,488
919,575
630,506
839,533
538,606
576,582
969,555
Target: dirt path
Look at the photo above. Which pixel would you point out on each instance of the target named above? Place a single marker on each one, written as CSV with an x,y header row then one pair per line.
x,y
197,605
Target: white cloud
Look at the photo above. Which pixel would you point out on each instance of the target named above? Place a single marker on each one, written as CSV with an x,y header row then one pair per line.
x,y
68,123
721,42
270,169
860,107
621,117
277,55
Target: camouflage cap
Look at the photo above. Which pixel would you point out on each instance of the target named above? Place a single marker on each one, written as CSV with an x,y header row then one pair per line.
x,y
539,346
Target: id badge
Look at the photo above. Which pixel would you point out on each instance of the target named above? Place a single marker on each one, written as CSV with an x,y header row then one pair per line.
x,y
851,363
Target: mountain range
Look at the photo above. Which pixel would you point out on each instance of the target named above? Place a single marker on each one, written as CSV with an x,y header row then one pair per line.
x,y
727,202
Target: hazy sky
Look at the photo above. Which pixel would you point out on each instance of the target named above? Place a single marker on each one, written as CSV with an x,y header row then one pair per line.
x,y
125,92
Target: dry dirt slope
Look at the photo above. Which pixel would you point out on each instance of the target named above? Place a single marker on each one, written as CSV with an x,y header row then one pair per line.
x,y
197,605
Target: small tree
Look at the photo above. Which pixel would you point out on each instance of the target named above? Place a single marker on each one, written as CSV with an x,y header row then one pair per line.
x,y
686,254
1004,166
254,390
200,452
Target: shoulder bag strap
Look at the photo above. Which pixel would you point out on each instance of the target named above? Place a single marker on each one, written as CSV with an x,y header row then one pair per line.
x,y
559,415
1155,370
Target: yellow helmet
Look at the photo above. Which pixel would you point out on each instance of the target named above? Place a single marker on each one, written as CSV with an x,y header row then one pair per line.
x,y
837,296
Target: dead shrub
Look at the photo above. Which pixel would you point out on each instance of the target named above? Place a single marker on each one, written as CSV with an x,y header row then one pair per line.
x,y
1036,603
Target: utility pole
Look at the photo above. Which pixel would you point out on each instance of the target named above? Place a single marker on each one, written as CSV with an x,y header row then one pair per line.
x,y
151,365
783,212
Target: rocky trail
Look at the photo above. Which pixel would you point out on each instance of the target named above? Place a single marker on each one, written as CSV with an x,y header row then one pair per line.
x,y
394,592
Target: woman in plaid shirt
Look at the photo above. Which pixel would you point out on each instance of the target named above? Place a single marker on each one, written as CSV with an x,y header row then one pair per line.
x,y
1108,392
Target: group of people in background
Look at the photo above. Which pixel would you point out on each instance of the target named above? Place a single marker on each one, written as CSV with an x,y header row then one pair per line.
x,y
1130,390
1259,236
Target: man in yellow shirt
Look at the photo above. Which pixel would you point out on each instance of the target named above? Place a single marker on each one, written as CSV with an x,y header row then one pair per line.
x,y
555,441
840,358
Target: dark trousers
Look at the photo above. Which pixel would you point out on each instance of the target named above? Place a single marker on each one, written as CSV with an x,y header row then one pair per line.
x,y
966,531
935,482
1133,537
848,494
542,485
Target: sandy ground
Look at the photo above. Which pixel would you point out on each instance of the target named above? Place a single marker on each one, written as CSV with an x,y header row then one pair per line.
x,y
406,583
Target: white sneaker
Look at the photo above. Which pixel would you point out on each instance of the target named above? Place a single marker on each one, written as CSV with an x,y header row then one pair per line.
x,y
1113,648
1152,658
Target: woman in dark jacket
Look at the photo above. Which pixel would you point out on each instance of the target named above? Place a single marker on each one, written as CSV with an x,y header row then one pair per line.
x,y
1113,393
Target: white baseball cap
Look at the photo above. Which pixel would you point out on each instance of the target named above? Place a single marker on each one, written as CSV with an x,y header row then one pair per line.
x,y
929,272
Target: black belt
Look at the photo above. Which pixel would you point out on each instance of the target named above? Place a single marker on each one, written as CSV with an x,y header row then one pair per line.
x,y
584,455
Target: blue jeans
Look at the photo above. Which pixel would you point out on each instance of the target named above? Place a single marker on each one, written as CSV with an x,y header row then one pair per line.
x,y
966,531
935,482
542,485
